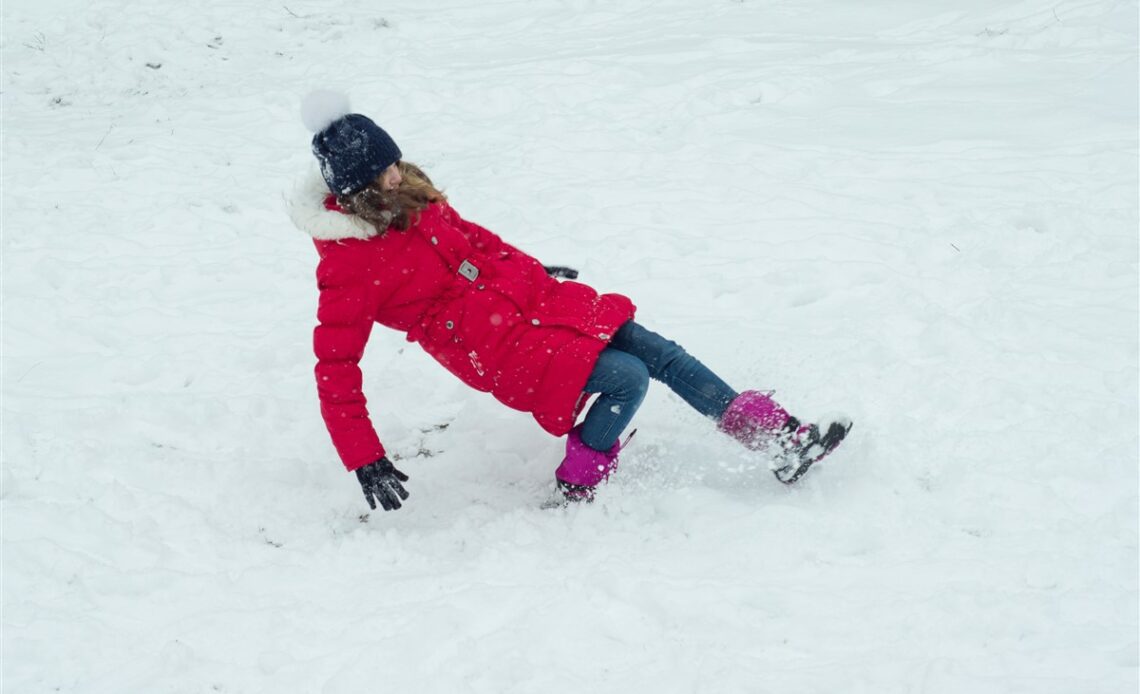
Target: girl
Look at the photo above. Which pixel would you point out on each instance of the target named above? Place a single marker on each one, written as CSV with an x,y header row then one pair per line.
x,y
393,251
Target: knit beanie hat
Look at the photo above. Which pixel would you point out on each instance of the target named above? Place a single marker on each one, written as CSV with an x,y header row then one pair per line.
x,y
351,150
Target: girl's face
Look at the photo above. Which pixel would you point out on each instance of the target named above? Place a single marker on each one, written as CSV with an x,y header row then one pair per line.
x,y
391,178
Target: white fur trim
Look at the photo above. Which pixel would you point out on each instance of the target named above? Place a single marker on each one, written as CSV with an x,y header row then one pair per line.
x,y
307,210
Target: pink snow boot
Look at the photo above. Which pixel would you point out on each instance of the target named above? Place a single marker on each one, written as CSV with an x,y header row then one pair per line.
x,y
761,424
583,468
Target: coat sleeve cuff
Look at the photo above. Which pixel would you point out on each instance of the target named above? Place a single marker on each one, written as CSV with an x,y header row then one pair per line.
x,y
355,461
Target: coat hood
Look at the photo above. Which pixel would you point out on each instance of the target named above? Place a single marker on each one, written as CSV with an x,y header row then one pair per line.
x,y
306,206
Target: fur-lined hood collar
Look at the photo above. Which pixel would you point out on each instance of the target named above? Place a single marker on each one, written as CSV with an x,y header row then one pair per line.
x,y
306,203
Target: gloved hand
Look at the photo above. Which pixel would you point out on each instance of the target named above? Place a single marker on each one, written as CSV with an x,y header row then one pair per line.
x,y
561,271
382,480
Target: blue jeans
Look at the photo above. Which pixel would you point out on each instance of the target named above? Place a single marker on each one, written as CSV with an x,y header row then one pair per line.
x,y
621,378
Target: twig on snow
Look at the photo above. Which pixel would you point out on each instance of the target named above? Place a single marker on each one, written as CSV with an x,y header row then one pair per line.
x,y
105,136
33,368
40,42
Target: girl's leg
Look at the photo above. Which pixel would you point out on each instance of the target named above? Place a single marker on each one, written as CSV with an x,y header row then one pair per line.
x,y
751,417
668,362
621,380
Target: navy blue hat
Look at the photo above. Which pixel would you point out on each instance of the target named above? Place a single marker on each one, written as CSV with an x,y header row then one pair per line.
x,y
352,152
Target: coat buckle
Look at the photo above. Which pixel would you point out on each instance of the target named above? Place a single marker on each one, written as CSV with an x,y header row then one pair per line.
x,y
469,271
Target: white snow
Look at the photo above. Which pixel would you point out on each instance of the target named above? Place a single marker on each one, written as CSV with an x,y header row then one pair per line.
x,y
921,214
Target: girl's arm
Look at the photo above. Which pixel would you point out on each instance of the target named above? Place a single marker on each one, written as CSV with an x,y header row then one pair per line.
x,y
488,241
338,342
483,239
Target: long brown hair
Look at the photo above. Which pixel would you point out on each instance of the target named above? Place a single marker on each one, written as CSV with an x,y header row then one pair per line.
x,y
384,209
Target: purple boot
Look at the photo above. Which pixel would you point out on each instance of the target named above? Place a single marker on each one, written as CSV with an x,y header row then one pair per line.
x,y
583,468
761,424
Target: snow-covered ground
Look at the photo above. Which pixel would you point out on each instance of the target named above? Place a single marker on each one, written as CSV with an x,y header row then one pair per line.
x,y
923,214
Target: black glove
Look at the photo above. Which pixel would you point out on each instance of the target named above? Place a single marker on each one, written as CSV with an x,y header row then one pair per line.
x,y
382,480
560,271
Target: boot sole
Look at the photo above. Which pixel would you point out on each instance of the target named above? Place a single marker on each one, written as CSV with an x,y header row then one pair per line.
x,y
836,432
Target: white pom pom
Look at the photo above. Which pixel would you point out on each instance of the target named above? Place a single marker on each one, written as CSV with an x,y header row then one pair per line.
x,y
322,107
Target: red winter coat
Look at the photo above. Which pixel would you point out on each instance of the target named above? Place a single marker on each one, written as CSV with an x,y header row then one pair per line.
x,y
483,309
